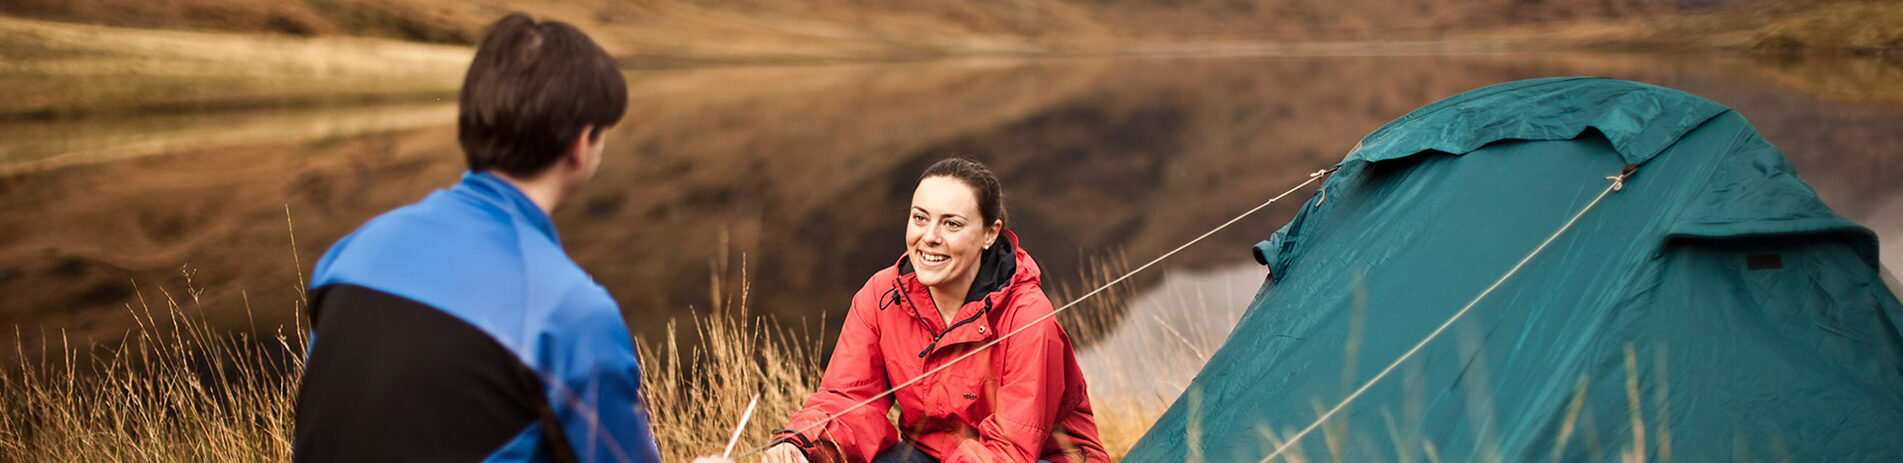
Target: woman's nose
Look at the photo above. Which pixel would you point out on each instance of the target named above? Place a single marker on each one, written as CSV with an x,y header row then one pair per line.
x,y
933,234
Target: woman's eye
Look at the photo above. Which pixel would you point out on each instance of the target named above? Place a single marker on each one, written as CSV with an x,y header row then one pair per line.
x,y
920,218
954,225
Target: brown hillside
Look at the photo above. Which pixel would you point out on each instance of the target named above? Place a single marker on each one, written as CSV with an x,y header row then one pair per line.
x,y
801,28
869,28
1775,27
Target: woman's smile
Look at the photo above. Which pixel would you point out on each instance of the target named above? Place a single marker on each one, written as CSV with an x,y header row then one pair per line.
x,y
930,257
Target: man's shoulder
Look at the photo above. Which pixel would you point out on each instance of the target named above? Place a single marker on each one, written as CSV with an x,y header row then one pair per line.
x,y
429,233
484,268
434,251
436,217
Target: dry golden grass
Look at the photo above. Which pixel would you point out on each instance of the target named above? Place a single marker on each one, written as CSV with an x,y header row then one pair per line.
x,y
172,391
1128,394
695,393
175,390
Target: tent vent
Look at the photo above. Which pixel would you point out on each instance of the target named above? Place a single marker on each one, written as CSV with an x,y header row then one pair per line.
x,y
1763,262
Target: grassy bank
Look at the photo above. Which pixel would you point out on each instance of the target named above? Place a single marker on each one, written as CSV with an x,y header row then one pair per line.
x,y
177,390
53,70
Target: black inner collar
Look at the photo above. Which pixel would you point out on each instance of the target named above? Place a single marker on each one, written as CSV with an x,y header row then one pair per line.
x,y
996,266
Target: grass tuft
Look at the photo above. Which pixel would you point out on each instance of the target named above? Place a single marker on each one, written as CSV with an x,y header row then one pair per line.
x,y
172,390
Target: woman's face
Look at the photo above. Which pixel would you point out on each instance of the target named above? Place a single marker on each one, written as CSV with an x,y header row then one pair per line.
x,y
944,233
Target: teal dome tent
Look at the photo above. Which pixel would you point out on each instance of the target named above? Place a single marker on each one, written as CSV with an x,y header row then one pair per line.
x,y
1709,309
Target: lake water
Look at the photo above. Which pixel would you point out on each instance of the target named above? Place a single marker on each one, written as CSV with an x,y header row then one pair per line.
x,y
787,185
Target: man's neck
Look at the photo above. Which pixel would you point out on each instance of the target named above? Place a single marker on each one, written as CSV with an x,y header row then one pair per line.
x,y
545,191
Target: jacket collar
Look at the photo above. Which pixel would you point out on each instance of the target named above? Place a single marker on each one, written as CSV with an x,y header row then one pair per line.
x,y
999,268
996,268
489,190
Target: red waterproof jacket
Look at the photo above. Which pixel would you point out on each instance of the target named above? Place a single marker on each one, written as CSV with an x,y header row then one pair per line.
x,y
1022,400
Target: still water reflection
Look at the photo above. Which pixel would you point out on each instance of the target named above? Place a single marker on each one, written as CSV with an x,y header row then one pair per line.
x,y
794,179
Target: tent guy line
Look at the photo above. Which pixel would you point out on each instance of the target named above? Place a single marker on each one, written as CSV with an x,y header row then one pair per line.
x,y
1312,178
1617,184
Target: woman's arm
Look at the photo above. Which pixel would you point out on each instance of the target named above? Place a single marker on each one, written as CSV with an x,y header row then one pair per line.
x,y
855,373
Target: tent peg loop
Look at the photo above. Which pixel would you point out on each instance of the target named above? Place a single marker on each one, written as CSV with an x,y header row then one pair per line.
x,y
1618,181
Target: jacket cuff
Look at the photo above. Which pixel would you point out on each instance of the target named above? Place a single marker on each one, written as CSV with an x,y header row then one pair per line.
x,y
795,437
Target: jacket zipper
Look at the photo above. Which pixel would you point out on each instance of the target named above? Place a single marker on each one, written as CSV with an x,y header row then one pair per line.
x,y
948,330
900,289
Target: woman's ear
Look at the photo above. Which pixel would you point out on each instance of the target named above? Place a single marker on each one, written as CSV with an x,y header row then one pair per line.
x,y
991,232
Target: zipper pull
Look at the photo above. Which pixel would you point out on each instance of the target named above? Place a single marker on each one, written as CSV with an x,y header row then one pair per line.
x,y
928,347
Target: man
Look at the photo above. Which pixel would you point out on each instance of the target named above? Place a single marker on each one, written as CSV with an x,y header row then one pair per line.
x,y
456,328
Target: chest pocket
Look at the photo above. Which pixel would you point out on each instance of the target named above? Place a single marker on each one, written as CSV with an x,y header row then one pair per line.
x,y
972,395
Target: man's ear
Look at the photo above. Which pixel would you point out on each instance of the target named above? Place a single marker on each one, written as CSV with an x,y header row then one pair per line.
x,y
577,153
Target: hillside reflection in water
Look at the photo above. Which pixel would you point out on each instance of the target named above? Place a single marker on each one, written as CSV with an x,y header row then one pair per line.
x,y
800,175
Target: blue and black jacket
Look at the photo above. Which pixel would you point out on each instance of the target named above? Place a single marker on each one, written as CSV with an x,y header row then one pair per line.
x,y
456,329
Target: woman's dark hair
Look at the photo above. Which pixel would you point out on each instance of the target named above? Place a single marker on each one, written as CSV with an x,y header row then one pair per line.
x,y
530,91
982,183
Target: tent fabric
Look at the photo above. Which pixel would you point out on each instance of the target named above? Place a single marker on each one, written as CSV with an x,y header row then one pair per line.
x,y
1712,309
1640,123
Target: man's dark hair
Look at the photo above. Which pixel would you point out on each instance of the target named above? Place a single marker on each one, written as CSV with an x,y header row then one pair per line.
x,y
530,91
983,184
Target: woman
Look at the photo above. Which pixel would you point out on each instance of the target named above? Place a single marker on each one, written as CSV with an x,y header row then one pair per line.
x,y
962,283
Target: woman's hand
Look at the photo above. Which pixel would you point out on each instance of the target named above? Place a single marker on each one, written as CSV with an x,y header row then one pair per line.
x,y
786,452
713,459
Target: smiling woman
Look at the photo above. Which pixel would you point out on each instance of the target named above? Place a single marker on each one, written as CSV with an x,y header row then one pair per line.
x,y
963,266
944,236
